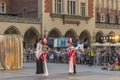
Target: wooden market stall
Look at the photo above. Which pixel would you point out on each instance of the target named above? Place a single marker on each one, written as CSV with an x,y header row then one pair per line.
x,y
11,52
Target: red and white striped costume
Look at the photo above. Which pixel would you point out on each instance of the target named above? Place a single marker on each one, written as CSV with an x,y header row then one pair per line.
x,y
43,56
72,59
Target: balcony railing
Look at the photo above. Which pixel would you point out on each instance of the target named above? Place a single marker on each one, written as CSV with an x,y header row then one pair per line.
x,y
107,25
7,18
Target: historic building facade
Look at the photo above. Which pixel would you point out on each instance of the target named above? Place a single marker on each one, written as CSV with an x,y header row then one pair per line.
x,y
69,18
86,20
107,19
20,17
82,19
28,29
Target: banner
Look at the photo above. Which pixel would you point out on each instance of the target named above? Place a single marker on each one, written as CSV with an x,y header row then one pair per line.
x,y
60,42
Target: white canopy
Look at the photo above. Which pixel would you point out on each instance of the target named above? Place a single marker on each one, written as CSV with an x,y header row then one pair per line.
x,y
105,44
116,44
96,44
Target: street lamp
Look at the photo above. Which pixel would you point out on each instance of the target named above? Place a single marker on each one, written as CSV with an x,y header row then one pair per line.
x,y
110,38
107,38
116,38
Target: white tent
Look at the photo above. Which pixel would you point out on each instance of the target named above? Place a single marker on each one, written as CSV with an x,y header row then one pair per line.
x,y
107,44
116,44
96,44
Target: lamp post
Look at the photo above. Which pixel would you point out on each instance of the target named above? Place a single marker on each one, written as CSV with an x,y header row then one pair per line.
x,y
117,38
104,38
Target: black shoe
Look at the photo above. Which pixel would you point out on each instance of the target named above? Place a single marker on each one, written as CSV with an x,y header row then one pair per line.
x,y
74,72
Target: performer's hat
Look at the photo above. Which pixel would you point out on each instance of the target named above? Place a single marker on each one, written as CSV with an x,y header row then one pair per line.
x,y
69,41
44,41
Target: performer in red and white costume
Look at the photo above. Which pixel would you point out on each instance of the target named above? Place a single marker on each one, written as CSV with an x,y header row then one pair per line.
x,y
71,57
43,56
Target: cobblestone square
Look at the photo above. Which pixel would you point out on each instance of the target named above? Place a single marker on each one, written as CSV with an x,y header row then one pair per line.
x,y
60,72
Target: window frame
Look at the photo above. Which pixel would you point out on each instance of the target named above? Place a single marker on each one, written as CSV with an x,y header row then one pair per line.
x,y
71,7
102,17
58,6
112,19
3,4
83,9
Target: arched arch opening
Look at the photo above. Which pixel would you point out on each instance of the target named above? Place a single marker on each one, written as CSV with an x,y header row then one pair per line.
x,y
30,38
12,30
85,38
98,36
54,33
111,33
112,36
71,33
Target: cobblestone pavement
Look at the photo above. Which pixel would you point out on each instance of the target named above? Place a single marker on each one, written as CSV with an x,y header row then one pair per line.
x,y
60,72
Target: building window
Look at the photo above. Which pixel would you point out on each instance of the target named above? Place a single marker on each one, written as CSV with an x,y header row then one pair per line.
x,y
71,7
58,6
24,12
112,19
83,9
102,18
3,8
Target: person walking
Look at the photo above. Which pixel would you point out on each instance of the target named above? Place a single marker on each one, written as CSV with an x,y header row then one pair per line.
x,y
71,57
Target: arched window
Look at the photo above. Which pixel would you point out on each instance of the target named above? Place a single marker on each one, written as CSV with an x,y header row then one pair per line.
x,y
102,18
3,7
112,19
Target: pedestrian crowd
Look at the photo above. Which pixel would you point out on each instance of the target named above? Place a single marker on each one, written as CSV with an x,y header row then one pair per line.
x,y
100,55
29,55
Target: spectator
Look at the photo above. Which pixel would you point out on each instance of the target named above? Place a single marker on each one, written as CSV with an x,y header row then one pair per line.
x,y
91,55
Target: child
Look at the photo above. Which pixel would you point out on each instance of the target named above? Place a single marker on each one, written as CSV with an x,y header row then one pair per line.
x,y
116,67
106,66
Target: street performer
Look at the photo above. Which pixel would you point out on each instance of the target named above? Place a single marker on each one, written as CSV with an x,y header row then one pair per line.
x,y
45,50
71,57
39,63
